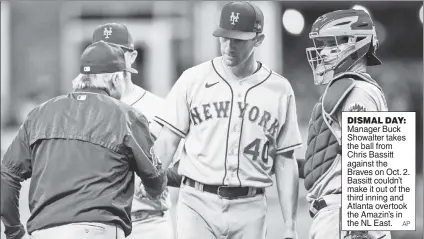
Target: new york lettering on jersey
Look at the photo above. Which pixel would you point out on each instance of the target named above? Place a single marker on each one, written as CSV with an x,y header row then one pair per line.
x,y
252,117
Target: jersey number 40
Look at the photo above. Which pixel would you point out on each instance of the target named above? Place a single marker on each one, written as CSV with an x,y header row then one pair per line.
x,y
253,150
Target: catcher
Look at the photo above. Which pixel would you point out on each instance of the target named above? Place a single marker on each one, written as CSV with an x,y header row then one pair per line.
x,y
345,43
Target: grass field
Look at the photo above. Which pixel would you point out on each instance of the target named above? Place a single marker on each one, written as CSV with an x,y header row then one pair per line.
x,y
274,217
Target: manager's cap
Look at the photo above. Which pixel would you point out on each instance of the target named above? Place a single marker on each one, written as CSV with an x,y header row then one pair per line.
x,y
240,20
101,57
114,33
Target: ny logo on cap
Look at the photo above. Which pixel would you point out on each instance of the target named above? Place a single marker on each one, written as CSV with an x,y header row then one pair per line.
x,y
107,32
234,18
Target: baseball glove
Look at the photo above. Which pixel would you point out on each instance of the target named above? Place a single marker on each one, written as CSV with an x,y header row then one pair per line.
x,y
357,235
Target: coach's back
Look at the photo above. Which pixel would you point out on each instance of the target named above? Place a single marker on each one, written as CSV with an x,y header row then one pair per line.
x,y
81,151
80,169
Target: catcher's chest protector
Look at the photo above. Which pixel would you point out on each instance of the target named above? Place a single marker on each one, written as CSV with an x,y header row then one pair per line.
x,y
322,147
322,144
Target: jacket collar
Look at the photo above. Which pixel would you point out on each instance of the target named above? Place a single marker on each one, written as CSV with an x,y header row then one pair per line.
x,y
93,90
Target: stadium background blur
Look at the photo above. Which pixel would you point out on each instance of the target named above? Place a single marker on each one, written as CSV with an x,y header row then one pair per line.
x,y
41,43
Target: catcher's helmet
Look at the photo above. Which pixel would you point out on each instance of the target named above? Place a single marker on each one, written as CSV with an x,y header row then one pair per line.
x,y
341,38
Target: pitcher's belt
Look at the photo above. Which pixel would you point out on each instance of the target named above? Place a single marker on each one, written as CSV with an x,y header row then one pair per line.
x,y
145,214
224,191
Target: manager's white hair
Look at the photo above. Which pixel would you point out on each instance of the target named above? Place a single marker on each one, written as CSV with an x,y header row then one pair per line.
x,y
97,81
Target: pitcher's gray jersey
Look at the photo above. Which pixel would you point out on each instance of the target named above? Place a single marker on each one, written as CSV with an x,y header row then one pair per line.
x,y
233,128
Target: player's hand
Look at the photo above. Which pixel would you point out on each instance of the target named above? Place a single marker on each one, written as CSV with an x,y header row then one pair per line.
x,y
139,191
290,233
155,160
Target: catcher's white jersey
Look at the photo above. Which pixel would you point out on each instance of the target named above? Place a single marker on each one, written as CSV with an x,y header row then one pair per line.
x,y
233,128
148,104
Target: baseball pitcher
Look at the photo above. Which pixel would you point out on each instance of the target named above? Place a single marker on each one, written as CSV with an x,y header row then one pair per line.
x,y
345,43
239,121
150,218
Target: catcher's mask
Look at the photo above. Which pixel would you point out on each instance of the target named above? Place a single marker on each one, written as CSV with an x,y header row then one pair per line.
x,y
341,38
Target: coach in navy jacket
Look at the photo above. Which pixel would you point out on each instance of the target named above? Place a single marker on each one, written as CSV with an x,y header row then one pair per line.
x,y
81,151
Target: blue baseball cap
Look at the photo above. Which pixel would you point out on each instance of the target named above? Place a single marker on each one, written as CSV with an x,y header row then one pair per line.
x,y
114,33
240,20
101,57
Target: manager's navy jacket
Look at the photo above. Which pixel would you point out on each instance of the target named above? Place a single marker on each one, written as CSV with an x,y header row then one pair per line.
x,y
81,151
